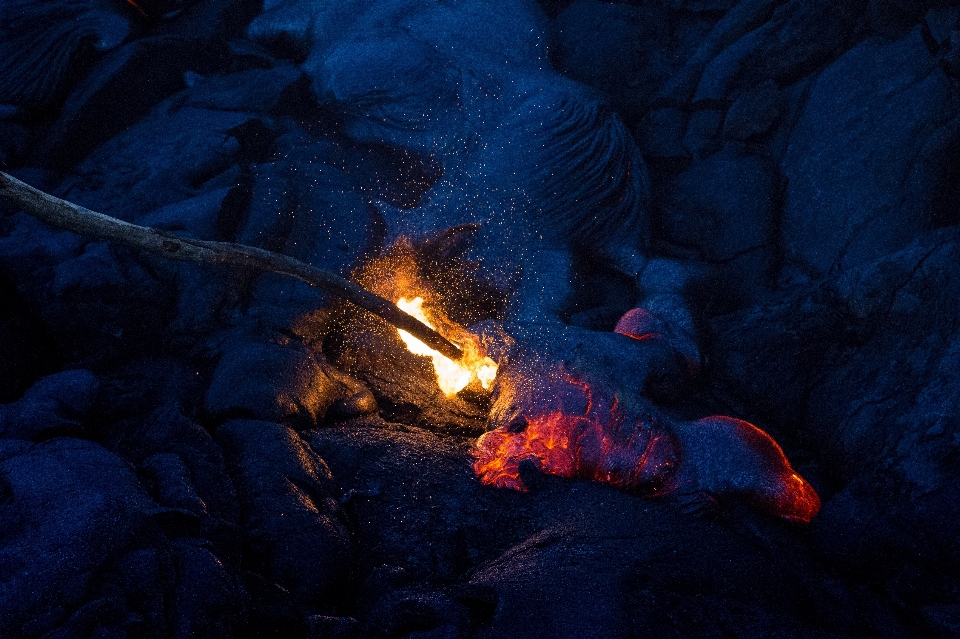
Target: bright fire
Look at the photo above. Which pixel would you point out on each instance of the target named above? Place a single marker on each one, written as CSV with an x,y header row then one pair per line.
x,y
452,376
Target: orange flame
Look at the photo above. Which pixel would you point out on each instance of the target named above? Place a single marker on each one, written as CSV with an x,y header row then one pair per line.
x,y
452,376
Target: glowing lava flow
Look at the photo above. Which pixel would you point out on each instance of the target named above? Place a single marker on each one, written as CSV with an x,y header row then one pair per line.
x,y
565,428
452,377
599,444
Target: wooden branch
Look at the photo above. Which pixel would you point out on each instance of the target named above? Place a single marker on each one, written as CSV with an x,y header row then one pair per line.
x,y
67,215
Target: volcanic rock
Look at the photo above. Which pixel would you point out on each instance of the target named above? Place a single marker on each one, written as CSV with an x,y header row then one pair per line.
x,y
799,223
209,600
295,533
798,37
269,382
26,350
553,158
738,21
42,45
102,104
624,563
172,487
660,136
643,557
69,507
703,133
838,212
188,463
724,208
413,502
754,112
404,384
615,48
894,433
862,369
163,158
56,404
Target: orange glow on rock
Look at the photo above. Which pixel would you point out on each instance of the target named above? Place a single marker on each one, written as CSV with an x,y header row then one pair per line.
x,y
641,324
587,434
600,444
735,456
136,6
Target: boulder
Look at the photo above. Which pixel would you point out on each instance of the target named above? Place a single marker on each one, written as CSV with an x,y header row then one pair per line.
x,y
102,105
160,160
861,369
858,186
270,382
616,48
295,532
798,37
57,404
209,600
69,508
724,209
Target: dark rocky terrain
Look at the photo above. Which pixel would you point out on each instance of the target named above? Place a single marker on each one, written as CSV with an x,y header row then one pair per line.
x,y
191,451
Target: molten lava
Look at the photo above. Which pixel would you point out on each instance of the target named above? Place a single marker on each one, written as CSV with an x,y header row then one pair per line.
x,y
565,428
599,444
452,376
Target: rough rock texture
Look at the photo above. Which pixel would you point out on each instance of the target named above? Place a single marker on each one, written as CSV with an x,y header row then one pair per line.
x,y
765,191
859,181
294,531
42,45
724,210
70,507
866,361
268,382
54,405
580,558
617,48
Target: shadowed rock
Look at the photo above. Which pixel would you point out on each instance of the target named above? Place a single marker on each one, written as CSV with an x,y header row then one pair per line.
x,y
56,404
43,43
69,508
295,534
858,187
567,559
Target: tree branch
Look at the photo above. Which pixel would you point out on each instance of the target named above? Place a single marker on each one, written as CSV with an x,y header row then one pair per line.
x,y
67,215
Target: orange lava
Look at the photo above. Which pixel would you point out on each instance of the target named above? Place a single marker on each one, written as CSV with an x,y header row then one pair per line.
x,y
798,501
571,431
598,444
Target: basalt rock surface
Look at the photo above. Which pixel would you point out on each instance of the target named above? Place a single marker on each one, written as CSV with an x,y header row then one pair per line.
x,y
769,185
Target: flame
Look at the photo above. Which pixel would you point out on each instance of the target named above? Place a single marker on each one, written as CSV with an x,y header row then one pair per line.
x,y
452,377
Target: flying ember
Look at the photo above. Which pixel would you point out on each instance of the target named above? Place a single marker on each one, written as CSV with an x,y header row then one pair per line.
x,y
452,377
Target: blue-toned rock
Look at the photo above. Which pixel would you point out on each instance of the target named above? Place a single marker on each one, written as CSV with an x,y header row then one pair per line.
x,y
858,186
295,532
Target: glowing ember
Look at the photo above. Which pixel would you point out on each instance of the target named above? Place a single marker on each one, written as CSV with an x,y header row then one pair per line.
x,y
452,377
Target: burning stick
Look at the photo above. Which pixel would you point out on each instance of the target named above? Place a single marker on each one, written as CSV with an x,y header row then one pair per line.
x,y
72,217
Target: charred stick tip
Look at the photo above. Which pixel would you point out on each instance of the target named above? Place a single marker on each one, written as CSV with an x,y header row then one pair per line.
x,y
72,217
